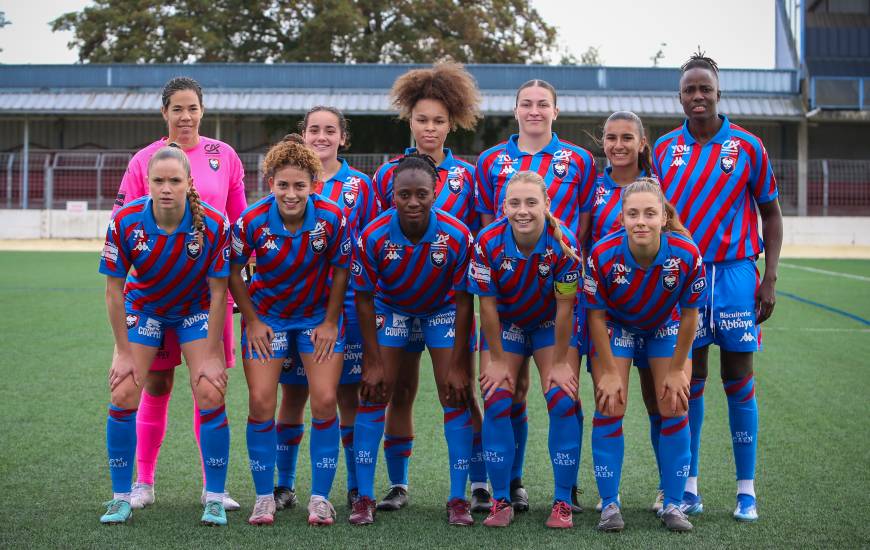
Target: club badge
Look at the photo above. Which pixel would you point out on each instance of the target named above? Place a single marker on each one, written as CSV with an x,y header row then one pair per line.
x,y
194,249
214,164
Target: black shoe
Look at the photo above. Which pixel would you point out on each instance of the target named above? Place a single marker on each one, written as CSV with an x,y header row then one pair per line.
x,y
352,495
481,500
395,499
285,498
575,500
519,496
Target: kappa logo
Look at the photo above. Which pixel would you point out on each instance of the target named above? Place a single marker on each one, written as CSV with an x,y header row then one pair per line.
x,y
142,246
699,285
241,225
270,243
698,262
678,161
454,184
379,321
478,249
112,227
356,268
669,281
726,164
132,320
359,243
590,263
507,264
560,169
747,337
620,280
212,148
601,195
438,258
507,170
543,270
318,244
194,249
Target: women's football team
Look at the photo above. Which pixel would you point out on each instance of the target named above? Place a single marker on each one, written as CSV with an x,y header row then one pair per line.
x,y
349,279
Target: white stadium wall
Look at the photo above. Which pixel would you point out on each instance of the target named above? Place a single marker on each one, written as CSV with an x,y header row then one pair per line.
x,y
61,224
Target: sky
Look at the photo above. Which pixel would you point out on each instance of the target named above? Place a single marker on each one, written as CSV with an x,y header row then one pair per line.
x,y
626,32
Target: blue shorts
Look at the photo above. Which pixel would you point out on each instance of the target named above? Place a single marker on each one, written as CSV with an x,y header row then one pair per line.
x,y
396,330
417,342
640,347
286,334
148,330
728,317
526,342
293,373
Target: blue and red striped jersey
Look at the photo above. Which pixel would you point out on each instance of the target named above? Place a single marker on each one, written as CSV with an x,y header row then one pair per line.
x,y
353,192
293,269
644,299
413,280
454,190
567,169
606,206
170,271
716,188
524,287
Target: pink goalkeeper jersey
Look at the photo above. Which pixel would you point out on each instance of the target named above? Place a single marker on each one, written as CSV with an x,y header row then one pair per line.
x,y
216,169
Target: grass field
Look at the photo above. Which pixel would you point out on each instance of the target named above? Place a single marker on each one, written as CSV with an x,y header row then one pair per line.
x,y
813,478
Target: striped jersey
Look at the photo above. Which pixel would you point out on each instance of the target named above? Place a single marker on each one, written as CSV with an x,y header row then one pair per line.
x,y
454,190
352,191
715,188
606,205
524,286
170,271
567,169
643,299
414,280
293,268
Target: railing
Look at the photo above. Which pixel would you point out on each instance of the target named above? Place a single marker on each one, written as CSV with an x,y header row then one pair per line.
x,y
834,187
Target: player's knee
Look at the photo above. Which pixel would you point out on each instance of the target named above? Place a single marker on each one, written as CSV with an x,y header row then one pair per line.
x,y
402,396
159,382
736,365
126,394
521,388
699,362
207,395
666,409
348,398
261,404
323,404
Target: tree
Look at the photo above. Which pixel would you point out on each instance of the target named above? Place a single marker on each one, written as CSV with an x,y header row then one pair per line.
x,y
3,22
592,56
349,31
659,55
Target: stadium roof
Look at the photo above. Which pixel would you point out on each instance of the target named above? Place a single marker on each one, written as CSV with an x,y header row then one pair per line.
x,y
270,89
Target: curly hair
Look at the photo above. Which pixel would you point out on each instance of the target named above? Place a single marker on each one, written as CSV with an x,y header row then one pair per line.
x,y
447,82
292,151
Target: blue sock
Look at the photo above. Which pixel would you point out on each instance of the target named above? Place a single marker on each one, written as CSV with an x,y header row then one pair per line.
x,y
289,436
367,432
324,455
457,432
580,419
499,447
696,420
262,448
347,443
478,466
214,437
608,448
520,425
743,418
675,457
655,428
397,453
563,442
121,447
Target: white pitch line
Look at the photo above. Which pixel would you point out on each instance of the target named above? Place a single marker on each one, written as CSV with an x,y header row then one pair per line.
x,y
814,329
826,272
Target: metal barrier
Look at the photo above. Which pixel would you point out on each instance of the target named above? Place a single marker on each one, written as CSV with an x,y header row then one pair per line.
x,y
834,187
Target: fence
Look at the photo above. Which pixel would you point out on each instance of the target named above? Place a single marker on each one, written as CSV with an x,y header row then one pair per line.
x,y
834,187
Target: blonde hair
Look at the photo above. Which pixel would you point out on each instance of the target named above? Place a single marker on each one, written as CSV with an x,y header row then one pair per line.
x,y
446,81
197,212
651,185
528,176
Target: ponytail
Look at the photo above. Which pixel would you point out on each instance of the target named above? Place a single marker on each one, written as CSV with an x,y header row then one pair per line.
x,y
197,212
173,151
644,160
651,185
673,223
528,176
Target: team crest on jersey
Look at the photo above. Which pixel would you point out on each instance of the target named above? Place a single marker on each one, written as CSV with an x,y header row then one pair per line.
x,y
438,257
318,244
560,169
543,270
726,164
214,164
454,184
194,249
669,281
379,321
349,198
131,320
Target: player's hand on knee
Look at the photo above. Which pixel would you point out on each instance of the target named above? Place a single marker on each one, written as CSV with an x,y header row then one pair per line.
x,y
324,337
563,376
260,336
675,393
122,367
458,387
214,370
609,394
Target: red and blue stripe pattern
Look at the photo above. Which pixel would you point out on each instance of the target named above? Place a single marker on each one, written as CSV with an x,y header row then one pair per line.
x,y
606,206
716,188
170,271
567,169
524,287
293,269
454,190
415,280
642,300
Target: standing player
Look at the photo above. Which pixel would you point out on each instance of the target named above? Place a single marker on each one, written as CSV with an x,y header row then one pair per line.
x,y
300,238
525,270
569,173
434,101
410,266
629,158
643,290
219,178
718,177
325,131
178,248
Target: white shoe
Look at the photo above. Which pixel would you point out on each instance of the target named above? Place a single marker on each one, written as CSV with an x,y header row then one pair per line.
x,y
659,502
230,505
264,511
320,511
142,495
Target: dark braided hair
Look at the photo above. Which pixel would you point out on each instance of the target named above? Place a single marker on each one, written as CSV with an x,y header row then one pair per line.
x,y
700,61
417,161
178,84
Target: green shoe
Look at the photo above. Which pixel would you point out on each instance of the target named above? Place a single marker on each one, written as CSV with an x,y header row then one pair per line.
x,y
214,513
118,511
